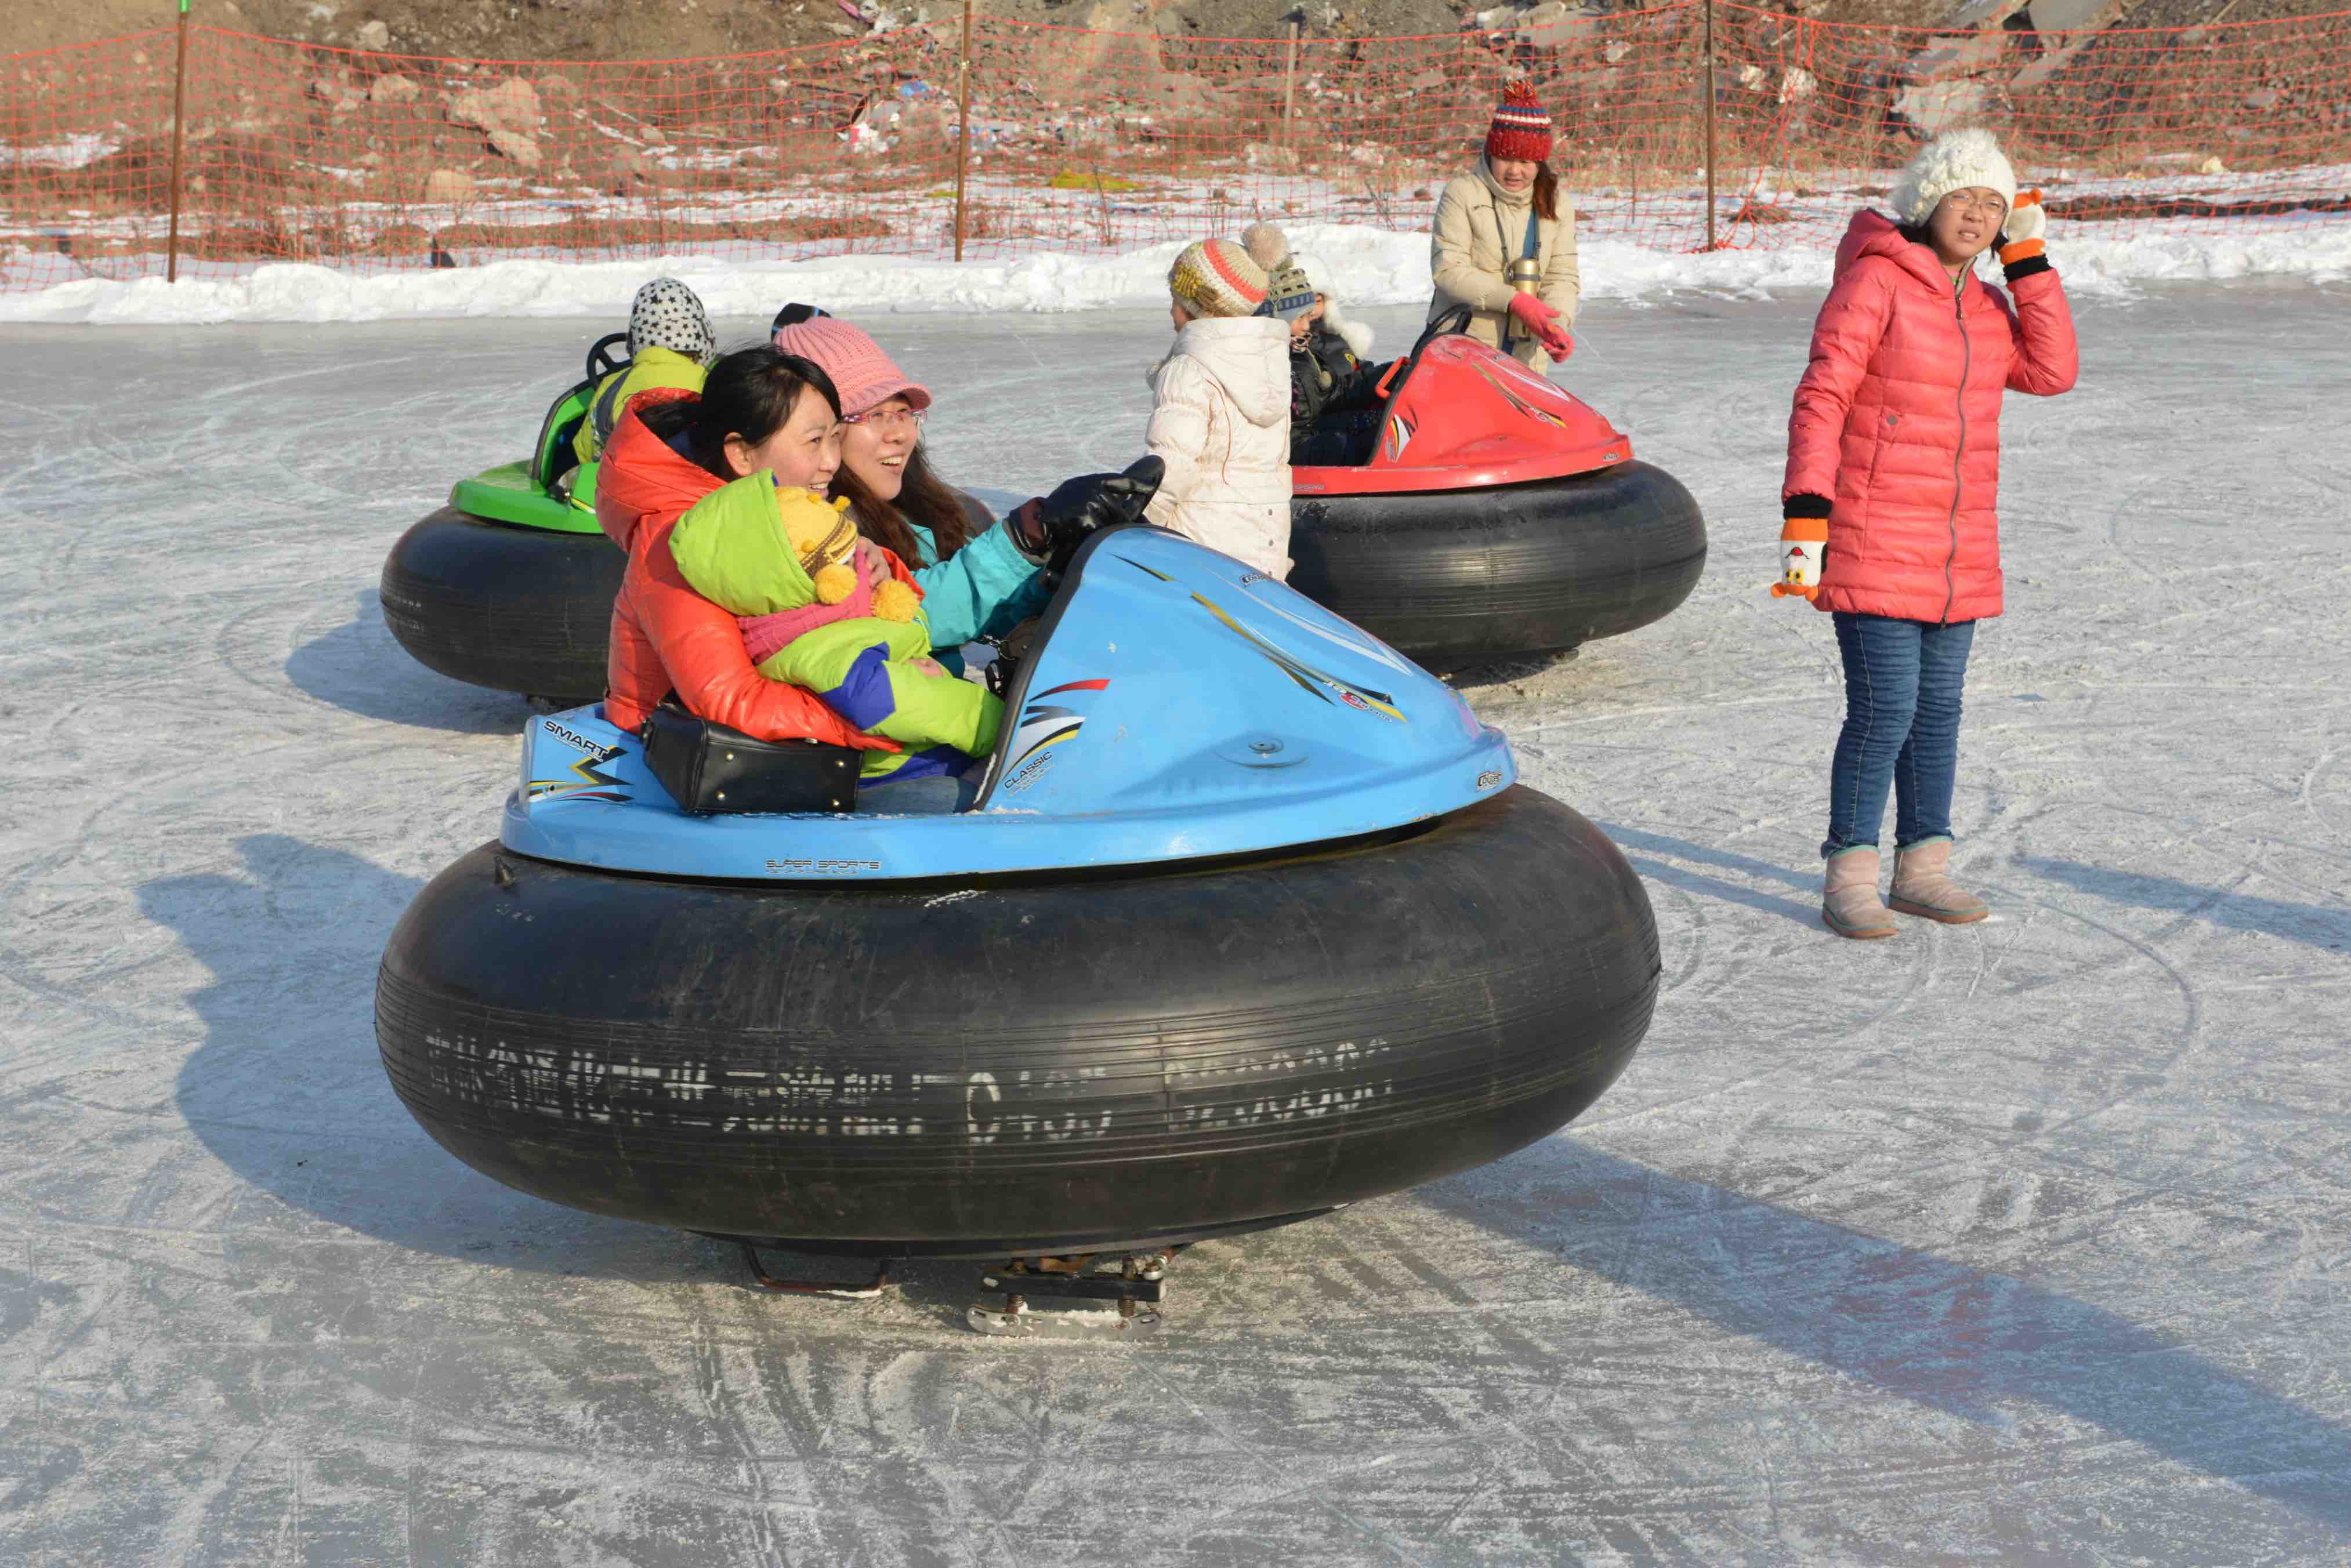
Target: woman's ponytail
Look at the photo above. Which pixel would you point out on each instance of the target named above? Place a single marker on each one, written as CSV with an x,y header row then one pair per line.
x,y
1546,194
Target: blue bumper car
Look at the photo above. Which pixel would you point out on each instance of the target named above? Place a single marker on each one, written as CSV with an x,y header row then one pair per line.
x,y
1251,922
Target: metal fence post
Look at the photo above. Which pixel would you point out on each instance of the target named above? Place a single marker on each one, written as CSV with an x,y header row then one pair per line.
x,y
963,125
1710,124
178,137
1297,20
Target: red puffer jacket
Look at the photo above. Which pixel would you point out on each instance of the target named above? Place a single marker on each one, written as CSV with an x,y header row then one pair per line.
x,y
666,637
1896,434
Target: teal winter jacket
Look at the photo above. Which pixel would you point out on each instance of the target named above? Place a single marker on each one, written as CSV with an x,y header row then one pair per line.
x,y
985,590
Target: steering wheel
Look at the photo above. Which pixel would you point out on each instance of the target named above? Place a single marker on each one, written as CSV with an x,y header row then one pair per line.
x,y
1455,320
601,362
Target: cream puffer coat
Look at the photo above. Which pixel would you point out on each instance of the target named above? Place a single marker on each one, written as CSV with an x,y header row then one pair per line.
x,y
1221,419
1480,229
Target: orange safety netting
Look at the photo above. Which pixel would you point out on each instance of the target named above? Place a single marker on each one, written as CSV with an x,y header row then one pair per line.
x,y
1088,141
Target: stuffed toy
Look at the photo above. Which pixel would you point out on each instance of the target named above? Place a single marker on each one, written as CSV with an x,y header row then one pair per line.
x,y
835,614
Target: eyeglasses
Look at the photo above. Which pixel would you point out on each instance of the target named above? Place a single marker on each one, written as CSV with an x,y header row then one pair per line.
x,y
888,418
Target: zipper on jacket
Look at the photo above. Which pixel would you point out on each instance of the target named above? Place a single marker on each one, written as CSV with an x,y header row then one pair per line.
x,y
1967,362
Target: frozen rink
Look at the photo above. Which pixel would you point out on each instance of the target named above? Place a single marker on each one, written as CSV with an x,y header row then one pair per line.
x,y
2023,1243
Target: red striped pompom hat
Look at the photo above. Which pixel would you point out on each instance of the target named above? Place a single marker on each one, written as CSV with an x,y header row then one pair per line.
x,y
1217,277
1520,129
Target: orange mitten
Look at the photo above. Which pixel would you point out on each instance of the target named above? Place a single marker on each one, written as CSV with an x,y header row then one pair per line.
x,y
1803,540
2021,237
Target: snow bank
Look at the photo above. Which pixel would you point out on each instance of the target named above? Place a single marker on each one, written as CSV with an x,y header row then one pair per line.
x,y
1371,266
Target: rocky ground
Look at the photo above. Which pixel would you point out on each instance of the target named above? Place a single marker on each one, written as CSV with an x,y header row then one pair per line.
x,y
651,29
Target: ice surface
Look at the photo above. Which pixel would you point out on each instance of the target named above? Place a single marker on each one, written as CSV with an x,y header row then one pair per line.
x,y
1368,265
2019,1243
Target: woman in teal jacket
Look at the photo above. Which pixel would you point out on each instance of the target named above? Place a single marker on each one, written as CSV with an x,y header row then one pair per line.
x,y
975,580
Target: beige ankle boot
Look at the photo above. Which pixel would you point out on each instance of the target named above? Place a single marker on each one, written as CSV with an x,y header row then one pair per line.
x,y
1849,905
1923,886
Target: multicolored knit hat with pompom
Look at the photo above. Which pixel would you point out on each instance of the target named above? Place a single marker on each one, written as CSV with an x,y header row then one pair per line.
x,y
1520,129
1217,277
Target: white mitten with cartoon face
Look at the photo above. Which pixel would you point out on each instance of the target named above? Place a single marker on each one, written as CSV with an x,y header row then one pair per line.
x,y
1804,541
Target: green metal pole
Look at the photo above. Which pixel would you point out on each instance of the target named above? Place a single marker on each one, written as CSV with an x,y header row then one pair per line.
x,y
178,137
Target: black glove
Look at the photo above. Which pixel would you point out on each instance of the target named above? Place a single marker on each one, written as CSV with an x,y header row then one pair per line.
x,y
1051,527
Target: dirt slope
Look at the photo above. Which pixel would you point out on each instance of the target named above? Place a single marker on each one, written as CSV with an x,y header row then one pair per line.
x,y
656,29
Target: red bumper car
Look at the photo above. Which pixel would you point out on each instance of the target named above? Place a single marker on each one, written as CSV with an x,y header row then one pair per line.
x,y
1497,516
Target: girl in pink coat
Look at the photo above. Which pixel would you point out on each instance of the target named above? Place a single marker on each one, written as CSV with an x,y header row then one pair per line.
x,y
1893,475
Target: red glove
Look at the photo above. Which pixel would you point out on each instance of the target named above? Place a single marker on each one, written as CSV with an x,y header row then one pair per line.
x,y
1539,320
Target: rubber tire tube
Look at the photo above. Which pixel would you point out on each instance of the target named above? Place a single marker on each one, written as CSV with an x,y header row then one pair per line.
x,y
514,608
1035,1065
1456,576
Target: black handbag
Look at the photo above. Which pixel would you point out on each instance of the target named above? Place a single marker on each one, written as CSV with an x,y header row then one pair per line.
x,y
710,768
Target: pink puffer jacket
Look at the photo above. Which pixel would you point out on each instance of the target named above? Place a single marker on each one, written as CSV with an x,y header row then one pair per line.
x,y
1895,433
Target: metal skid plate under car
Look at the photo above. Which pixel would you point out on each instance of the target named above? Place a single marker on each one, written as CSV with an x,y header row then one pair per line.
x,y
1128,1291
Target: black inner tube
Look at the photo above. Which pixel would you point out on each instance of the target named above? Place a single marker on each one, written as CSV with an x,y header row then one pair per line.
x,y
1050,1066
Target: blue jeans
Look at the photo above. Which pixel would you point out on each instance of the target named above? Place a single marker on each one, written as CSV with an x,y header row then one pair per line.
x,y
1902,685
932,795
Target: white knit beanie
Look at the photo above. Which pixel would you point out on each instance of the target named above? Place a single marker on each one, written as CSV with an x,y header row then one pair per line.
x,y
1216,278
1952,161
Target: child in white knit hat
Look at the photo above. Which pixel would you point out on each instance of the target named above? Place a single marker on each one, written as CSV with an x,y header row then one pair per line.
x,y
1220,410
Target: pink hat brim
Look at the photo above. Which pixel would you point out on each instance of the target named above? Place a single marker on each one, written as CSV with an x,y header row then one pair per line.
x,y
861,399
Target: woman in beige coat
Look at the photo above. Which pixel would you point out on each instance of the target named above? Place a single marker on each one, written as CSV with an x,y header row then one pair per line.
x,y
1508,207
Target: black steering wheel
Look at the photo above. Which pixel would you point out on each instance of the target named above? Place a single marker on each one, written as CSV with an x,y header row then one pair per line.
x,y
1455,320
601,362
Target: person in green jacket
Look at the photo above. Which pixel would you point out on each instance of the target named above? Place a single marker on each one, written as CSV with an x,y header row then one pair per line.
x,y
838,616
670,346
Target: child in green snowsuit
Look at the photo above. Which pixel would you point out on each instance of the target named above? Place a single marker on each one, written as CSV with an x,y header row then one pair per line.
x,y
836,615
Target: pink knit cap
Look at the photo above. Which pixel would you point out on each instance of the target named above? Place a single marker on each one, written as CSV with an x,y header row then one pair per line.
x,y
861,373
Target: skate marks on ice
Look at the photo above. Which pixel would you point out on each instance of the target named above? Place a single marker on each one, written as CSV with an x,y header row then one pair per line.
x,y
357,666
2319,925
2017,1243
1519,1362
2035,1383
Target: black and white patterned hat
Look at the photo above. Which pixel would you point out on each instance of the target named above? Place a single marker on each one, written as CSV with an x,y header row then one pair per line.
x,y
668,314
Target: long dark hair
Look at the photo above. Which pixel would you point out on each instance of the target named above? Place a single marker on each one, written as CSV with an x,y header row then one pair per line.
x,y
1546,193
924,497
749,394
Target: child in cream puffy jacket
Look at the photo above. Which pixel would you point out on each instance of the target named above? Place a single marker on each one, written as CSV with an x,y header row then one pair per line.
x,y
1220,410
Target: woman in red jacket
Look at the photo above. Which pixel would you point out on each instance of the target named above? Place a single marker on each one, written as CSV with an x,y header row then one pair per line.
x,y
1894,446
760,409
783,416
